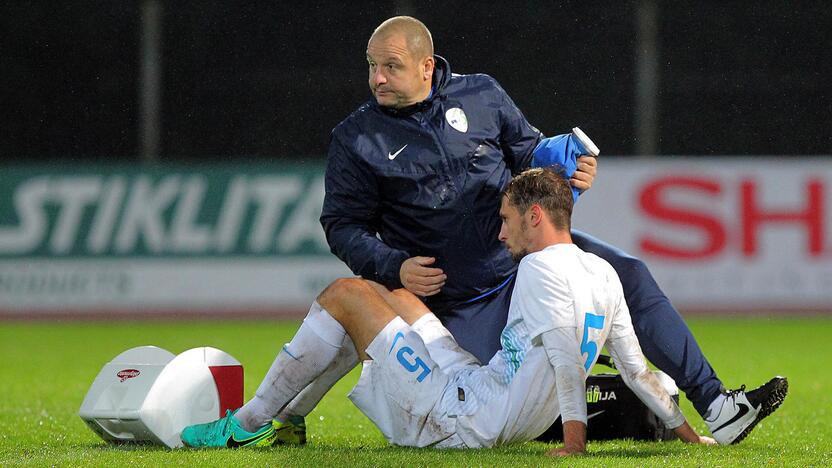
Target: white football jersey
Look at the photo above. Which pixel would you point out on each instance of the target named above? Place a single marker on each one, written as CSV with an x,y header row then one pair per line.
x,y
514,397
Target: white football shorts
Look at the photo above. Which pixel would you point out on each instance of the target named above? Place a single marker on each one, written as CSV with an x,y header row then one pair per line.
x,y
401,389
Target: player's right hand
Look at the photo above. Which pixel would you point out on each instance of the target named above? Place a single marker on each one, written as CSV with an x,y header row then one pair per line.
x,y
419,278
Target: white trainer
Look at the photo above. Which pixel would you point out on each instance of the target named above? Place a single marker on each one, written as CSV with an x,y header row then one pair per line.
x,y
740,411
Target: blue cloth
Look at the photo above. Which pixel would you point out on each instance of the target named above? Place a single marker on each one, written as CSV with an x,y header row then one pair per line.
x,y
560,151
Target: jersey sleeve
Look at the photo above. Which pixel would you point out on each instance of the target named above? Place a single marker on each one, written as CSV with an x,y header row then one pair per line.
x,y
622,324
541,294
350,218
570,376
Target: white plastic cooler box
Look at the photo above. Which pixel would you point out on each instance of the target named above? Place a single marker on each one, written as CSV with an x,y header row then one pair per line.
x,y
148,395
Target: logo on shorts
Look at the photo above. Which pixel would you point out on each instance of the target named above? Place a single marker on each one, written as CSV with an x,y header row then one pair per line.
x,y
457,119
125,374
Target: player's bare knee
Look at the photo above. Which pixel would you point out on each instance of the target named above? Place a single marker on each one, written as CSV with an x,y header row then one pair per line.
x,y
405,297
340,291
379,288
329,297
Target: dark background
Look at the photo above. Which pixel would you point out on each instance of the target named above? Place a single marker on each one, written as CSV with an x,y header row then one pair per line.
x,y
249,80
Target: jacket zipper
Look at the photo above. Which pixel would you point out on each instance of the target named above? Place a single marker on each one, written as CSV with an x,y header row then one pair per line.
x,y
447,162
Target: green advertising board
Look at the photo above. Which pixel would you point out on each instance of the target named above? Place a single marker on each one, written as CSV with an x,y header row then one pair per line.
x,y
95,236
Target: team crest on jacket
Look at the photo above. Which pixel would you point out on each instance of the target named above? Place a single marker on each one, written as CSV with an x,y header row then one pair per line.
x,y
457,119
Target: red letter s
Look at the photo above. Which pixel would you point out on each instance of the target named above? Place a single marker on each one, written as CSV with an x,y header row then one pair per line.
x,y
653,202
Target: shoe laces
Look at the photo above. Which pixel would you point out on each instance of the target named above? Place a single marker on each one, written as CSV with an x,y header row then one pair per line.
x,y
223,426
737,391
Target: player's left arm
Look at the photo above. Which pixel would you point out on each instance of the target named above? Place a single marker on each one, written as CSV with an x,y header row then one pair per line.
x,y
626,353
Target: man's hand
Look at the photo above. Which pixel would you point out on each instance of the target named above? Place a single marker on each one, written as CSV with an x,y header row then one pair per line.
x,y
686,434
418,278
705,440
585,173
574,440
562,452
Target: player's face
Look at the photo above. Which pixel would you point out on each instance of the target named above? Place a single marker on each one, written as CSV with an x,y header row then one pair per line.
x,y
513,230
397,78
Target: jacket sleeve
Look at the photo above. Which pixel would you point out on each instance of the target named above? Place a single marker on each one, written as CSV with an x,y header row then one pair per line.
x,y
518,138
350,218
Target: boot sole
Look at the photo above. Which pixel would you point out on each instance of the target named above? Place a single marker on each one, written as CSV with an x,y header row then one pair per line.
x,y
775,399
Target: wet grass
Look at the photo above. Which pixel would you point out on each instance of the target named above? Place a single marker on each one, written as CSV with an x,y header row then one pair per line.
x,y
46,368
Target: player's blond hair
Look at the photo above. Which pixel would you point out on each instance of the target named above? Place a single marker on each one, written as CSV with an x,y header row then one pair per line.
x,y
417,35
546,187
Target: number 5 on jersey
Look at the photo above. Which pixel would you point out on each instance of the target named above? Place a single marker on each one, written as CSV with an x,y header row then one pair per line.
x,y
590,348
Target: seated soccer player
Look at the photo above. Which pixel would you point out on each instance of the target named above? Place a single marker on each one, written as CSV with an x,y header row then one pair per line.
x,y
421,389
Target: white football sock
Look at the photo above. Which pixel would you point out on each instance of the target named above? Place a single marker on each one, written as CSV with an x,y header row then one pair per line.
x,y
307,356
308,399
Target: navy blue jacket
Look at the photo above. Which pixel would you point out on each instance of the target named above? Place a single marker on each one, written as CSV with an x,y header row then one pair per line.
x,y
405,183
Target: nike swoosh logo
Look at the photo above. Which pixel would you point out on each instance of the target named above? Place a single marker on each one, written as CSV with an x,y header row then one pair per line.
x,y
594,414
232,442
743,410
392,156
396,338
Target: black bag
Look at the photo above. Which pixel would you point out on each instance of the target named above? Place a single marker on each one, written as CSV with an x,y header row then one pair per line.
x,y
615,412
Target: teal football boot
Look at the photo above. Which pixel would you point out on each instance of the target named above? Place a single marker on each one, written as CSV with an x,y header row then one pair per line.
x,y
226,432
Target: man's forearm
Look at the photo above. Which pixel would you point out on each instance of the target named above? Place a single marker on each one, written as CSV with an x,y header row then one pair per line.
x,y
366,255
574,440
633,367
685,433
574,436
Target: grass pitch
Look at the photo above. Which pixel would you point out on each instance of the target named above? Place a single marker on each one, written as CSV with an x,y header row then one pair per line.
x,y
46,369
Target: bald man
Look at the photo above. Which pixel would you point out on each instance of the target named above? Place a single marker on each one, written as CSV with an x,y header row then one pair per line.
x,y
400,57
